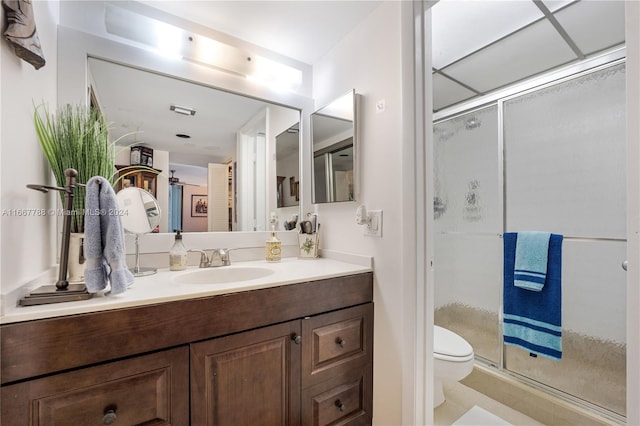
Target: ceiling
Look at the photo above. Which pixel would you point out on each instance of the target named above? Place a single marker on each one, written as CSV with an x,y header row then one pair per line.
x,y
480,46
302,29
137,103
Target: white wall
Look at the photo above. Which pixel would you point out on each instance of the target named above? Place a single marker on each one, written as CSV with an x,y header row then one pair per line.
x,y
192,224
369,59
193,175
28,242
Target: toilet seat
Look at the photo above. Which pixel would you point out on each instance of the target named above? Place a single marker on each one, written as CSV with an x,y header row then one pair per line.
x,y
449,346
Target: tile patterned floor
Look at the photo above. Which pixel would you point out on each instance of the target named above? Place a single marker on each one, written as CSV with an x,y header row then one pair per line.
x,y
460,399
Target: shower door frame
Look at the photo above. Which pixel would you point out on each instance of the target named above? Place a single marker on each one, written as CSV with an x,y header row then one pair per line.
x,y
609,59
420,406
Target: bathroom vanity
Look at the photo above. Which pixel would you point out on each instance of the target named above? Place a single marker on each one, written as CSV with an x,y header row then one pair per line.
x,y
287,354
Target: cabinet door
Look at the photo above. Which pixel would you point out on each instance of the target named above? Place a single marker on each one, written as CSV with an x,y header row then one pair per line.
x,y
336,342
149,389
337,368
345,399
250,378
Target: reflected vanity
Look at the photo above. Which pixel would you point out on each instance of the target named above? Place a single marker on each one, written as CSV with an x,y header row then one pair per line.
x,y
140,215
334,142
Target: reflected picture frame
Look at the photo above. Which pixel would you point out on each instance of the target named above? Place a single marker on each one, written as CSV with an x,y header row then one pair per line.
x,y
199,206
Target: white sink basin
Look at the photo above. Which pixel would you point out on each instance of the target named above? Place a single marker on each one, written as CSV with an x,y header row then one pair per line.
x,y
223,275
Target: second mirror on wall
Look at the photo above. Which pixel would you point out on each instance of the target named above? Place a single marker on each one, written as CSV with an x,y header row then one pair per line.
x,y
335,144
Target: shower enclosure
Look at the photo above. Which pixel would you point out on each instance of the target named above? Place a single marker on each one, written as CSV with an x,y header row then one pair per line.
x,y
549,158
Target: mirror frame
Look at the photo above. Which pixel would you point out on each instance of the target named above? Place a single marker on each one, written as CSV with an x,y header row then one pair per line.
x,y
74,48
356,149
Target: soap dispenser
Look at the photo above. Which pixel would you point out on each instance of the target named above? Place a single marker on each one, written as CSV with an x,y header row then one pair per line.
x,y
178,254
274,246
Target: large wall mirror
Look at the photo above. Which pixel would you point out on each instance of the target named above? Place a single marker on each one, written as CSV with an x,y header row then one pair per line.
x,y
210,146
334,143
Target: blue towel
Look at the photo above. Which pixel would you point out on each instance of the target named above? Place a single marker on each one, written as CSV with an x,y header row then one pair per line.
x,y
533,320
104,246
532,250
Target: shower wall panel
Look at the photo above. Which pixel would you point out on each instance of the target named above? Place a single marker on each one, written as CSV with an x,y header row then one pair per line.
x,y
467,297
468,221
467,174
564,150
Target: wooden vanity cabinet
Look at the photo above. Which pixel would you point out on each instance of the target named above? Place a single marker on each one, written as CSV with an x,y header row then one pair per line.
x,y
337,367
248,378
299,354
148,389
316,371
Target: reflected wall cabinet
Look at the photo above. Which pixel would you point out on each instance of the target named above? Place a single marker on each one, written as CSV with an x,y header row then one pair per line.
x,y
130,176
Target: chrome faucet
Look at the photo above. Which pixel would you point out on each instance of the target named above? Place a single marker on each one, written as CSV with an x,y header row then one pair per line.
x,y
219,257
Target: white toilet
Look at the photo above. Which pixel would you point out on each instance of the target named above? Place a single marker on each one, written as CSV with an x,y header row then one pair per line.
x,y
452,359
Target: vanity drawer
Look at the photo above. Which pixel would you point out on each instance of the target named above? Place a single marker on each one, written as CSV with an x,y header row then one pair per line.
x,y
339,401
149,389
336,340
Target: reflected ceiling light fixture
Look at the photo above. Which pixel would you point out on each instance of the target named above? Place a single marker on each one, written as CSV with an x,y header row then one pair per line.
x,y
178,43
182,110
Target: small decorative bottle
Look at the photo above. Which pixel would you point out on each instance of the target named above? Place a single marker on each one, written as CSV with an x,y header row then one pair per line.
x,y
178,254
274,246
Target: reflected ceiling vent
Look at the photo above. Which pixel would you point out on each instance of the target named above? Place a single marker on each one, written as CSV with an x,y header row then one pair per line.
x,y
182,110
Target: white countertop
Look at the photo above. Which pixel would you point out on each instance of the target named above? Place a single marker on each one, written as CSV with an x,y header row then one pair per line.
x,y
165,286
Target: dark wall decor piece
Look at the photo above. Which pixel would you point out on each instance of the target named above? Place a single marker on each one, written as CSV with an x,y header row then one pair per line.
x,y
21,31
199,205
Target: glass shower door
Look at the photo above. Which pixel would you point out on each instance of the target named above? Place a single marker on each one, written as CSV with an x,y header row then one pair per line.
x,y
468,221
564,148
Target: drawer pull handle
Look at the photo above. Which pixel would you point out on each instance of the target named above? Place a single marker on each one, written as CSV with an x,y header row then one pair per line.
x,y
296,338
339,404
340,341
109,417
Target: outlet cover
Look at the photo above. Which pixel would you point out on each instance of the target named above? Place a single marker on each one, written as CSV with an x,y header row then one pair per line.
x,y
374,227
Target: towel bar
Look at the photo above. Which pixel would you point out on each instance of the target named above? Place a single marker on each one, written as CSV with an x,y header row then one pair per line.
x,y
62,291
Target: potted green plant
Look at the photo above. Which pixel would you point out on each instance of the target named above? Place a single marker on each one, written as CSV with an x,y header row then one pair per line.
x,y
78,137
75,137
